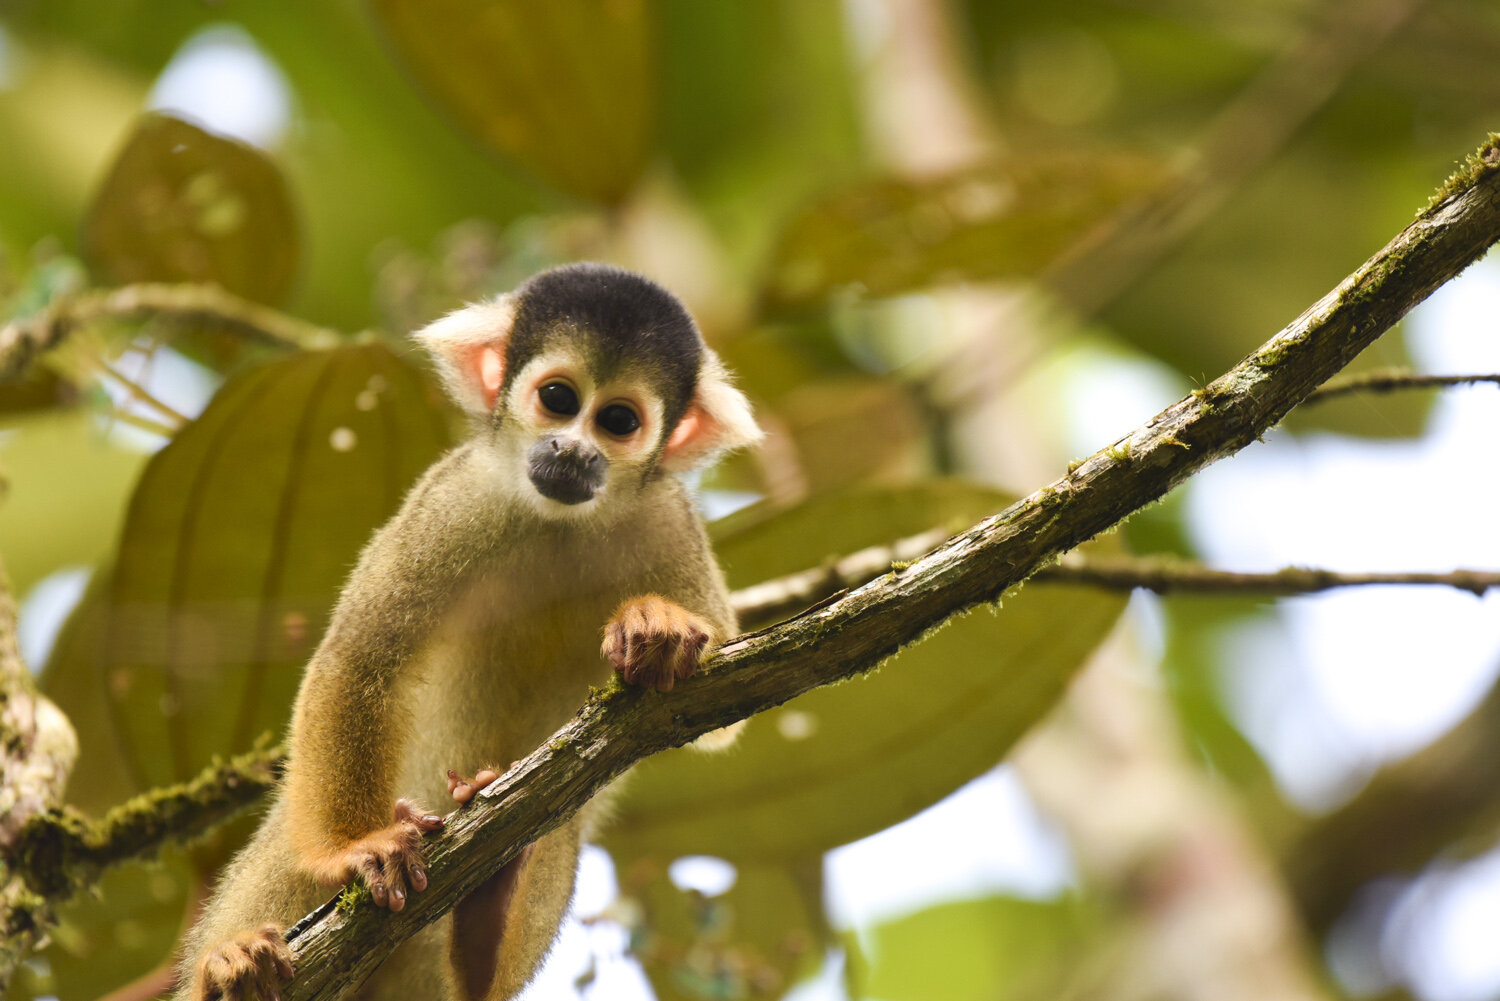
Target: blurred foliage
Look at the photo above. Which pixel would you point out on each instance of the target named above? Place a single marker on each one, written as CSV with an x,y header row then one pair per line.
x,y
567,88
434,154
997,221
990,949
180,204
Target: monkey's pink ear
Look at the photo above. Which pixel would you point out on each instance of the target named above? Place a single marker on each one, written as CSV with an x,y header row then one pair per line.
x,y
718,420
468,346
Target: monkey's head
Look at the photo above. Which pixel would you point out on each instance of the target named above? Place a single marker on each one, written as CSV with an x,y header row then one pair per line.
x,y
592,380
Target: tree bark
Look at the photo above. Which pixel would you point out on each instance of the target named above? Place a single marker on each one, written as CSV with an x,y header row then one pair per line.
x,y
37,749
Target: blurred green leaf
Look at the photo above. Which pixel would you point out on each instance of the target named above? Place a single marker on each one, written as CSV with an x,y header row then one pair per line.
x,y
998,221
824,417
991,949
564,88
233,551
181,204
759,111
1243,276
65,490
1200,629
755,940
840,763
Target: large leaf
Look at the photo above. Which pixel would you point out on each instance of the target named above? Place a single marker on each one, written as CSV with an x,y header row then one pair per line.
x,y
1001,220
564,88
181,204
840,763
234,547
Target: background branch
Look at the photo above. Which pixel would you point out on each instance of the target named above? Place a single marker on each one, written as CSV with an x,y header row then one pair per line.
x,y
1445,797
1390,380
23,339
337,948
1173,576
61,851
762,604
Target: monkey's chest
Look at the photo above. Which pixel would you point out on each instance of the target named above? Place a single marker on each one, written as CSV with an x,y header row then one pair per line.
x,y
501,674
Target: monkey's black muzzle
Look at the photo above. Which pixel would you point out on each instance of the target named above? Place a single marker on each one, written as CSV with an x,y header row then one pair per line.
x,y
565,469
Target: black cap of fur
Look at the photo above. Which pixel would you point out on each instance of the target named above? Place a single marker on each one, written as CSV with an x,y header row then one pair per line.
x,y
623,320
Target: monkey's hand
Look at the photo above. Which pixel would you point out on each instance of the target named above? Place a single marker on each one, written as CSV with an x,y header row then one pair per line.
x,y
249,967
389,860
652,642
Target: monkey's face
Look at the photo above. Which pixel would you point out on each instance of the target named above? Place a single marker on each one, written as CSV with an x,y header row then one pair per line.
x,y
582,439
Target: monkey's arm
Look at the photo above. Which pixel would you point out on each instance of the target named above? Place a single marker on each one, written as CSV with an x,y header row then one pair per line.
x,y
351,720
681,613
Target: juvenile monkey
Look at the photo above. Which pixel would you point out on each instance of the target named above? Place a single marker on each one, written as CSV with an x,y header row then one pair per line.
x,y
469,630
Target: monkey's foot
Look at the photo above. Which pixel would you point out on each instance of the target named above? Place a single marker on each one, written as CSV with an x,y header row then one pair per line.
x,y
390,860
462,790
652,642
249,967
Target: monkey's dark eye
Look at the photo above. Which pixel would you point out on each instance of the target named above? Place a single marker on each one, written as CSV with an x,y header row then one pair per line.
x,y
559,398
618,419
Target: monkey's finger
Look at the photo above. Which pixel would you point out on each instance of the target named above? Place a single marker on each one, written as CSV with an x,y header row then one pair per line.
x,y
407,812
266,983
461,789
685,662
370,870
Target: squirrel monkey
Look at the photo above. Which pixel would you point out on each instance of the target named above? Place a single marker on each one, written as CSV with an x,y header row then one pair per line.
x,y
469,631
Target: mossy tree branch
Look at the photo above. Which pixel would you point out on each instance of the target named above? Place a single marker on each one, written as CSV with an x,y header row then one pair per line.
x,y
61,851
337,949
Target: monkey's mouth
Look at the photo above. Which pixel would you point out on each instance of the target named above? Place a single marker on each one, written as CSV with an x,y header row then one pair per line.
x,y
562,485
565,471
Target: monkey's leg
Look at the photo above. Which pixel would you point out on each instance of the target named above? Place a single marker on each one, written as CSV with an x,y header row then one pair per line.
x,y
235,951
503,930
249,965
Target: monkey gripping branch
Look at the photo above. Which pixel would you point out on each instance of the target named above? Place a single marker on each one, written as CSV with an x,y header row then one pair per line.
x,y
336,948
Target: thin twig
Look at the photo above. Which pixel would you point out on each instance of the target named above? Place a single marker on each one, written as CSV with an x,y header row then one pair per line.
x,y
1390,380
337,948
1181,577
770,601
23,339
